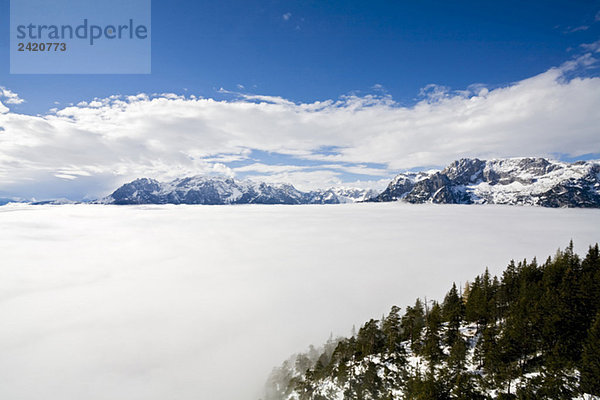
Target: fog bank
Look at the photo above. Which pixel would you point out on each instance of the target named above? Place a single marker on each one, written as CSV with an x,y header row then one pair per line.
x,y
200,302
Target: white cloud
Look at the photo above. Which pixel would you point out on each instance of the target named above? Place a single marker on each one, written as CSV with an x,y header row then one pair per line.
x,y
9,96
287,16
578,28
378,87
227,158
164,136
593,47
65,176
379,184
267,169
314,176
434,93
357,169
353,169
303,179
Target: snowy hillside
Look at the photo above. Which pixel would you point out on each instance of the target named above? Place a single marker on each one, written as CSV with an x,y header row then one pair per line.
x,y
388,370
216,190
514,181
532,333
287,382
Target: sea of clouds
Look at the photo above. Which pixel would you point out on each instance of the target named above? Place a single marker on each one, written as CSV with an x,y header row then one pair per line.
x,y
200,302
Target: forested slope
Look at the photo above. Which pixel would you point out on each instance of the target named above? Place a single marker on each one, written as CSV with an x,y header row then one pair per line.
x,y
531,333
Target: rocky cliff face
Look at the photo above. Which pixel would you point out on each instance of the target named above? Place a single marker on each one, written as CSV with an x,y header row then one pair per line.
x,y
515,181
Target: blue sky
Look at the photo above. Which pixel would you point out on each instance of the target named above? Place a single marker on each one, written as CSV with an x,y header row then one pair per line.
x,y
330,48
398,54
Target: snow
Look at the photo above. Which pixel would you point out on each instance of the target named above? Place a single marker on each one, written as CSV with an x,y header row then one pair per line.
x,y
330,387
521,180
540,182
229,191
200,302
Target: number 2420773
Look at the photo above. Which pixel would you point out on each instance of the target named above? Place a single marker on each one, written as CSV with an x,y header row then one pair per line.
x,y
34,46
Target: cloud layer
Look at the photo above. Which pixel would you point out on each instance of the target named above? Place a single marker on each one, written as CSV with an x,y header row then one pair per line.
x,y
189,303
85,150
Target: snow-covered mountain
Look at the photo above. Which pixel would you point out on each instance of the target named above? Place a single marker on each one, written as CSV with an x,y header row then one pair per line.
x,y
337,195
217,190
515,181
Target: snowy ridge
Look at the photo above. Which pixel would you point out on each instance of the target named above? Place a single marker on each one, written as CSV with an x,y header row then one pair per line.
x,y
218,190
391,369
388,366
338,195
514,181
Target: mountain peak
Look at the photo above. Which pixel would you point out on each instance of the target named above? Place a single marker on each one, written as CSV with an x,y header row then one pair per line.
x,y
515,181
226,190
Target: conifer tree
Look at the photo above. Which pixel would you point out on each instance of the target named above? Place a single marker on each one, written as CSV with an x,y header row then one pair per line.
x,y
432,350
465,292
474,306
370,339
509,286
457,358
391,330
452,313
590,282
590,362
412,324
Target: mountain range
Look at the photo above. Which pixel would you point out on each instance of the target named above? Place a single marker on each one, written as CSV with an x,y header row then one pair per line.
x,y
512,181
218,190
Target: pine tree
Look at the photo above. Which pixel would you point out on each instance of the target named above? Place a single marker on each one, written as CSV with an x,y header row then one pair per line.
x,y
590,362
465,292
457,358
452,313
590,283
487,349
370,384
509,286
463,387
562,307
432,350
475,301
427,387
391,330
521,333
370,339
412,324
